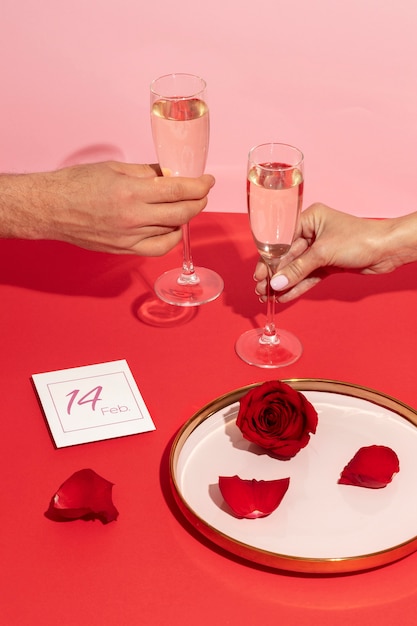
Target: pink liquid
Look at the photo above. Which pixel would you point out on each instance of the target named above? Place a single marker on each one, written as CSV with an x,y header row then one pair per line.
x,y
274,204
181,135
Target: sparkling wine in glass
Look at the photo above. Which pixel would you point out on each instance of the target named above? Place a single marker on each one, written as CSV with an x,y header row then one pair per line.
x,y
180,130
275,182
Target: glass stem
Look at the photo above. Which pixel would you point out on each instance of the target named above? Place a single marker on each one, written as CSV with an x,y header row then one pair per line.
x,y
188,274
269,334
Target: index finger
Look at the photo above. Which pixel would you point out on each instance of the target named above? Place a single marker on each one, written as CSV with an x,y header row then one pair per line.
x,y
178,188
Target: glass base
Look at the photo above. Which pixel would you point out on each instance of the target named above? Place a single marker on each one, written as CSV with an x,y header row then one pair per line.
x,y
252,350
202,287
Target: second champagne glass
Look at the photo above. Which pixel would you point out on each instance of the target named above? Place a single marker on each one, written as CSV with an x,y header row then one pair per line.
x,y
275,192
180,129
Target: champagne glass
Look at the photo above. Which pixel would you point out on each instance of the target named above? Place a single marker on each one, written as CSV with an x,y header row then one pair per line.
x,y
274,192
180,129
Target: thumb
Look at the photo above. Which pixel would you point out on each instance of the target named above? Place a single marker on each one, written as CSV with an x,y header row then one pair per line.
x,y
295,271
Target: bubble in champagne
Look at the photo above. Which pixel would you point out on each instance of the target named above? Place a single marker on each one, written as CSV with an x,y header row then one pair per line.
x,y
276,180
297,177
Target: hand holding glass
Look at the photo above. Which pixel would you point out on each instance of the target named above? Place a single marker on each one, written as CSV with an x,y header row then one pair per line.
x,y
180,129
275,192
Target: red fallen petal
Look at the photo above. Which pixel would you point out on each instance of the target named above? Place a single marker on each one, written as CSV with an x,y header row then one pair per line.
x,y
373,467
252,498
84,495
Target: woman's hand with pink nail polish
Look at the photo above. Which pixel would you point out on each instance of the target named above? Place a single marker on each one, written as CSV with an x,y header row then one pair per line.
x,y
329,241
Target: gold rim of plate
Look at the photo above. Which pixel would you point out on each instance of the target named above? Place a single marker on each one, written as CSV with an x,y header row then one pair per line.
x,y
272,559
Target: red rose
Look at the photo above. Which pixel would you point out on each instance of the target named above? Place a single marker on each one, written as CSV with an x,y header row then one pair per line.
x,y
278,418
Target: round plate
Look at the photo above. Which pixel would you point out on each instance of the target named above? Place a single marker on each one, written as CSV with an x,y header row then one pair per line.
x,y
320,526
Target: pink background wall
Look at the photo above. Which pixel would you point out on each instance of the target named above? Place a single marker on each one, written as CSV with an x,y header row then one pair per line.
x,y
338,79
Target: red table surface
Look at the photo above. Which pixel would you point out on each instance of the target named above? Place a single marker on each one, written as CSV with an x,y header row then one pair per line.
x,y
63,307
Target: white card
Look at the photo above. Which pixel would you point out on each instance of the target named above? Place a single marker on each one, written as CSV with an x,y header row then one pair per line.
x,y
92,403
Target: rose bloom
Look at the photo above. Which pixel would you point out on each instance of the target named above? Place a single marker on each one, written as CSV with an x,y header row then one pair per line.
x,y
278,418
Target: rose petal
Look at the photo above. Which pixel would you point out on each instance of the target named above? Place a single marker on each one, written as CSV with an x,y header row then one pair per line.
x,y
84,495
278,418
252,498
373,467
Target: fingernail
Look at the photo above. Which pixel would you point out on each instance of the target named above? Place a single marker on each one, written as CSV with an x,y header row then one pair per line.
x,y
279,282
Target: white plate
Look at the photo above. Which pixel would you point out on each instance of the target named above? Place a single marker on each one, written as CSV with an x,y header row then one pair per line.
x,y
320,526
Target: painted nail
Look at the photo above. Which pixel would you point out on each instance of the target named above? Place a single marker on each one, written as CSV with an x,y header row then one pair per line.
x,y
279,282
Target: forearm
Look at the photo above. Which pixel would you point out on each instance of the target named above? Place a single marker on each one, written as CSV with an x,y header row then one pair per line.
x,y
23,206
395,241
405,228
331,238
